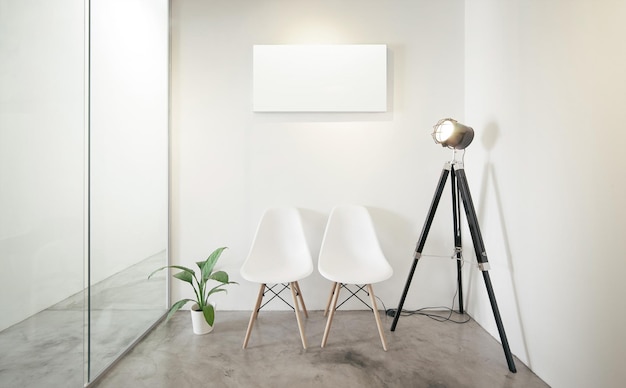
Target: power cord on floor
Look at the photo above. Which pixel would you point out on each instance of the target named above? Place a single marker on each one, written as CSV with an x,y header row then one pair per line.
x,y
434,312
431,312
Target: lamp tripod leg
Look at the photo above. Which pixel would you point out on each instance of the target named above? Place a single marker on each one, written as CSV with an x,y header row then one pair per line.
x,y
458,245
481,257
422,240
460,190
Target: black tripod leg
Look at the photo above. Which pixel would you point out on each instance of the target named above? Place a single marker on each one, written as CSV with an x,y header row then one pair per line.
x,y
422,240
481,256
456,215
459,274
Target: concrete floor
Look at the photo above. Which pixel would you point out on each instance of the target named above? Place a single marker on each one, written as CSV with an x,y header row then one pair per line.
x,y
48,349
422,353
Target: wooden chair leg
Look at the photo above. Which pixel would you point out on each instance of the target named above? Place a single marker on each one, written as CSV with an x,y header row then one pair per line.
x,y
377,316
333,307
299,293
297,309
330,298
255,313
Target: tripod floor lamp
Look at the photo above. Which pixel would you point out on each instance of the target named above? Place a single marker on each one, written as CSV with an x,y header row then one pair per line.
x,y
456,136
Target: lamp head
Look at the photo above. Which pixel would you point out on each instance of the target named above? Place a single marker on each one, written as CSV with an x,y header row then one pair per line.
x,y
452,134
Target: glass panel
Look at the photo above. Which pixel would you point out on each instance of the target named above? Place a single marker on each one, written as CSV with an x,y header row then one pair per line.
x,y
42,135
128,173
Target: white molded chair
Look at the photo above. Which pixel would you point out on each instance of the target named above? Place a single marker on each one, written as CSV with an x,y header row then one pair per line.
x,y
351,254
279,256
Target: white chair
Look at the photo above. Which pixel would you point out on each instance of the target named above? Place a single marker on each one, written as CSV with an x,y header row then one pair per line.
x,y
279,257
351,255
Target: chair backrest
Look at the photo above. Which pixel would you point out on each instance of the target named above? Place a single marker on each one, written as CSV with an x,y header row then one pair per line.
x,y
279,247
350,244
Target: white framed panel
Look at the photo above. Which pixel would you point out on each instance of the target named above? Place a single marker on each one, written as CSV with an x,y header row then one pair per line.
x,y
320,78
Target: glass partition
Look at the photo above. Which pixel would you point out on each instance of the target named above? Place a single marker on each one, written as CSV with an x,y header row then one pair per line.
x,y
83,184
42,169
128,172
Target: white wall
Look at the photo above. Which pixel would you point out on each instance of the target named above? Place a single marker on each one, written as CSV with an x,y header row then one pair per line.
x,y
41,154
229,164
545,92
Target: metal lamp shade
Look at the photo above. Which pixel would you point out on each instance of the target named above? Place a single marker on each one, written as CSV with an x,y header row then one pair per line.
x,y
452,134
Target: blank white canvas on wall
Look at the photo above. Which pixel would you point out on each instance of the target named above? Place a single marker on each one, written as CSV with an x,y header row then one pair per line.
x,y
320,78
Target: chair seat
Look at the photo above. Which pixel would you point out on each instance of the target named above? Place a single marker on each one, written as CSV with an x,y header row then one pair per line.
x,y
343,270
287,272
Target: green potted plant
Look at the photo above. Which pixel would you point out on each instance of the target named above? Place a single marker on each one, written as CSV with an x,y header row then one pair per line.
x,y
202,311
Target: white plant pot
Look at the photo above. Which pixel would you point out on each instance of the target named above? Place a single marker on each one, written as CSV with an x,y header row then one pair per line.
x,y
199,324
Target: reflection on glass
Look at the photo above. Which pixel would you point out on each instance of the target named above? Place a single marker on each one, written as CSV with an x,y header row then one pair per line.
x,y
41,193
128,172
48,335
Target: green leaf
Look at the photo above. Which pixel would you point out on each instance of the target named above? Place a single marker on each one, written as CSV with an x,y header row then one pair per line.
x,y
216,289
219,288
209,264
219,276
155,271
184,276
180,267
209,314
177,306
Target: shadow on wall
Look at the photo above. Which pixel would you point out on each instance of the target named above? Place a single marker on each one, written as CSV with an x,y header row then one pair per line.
x,y
392,229
396,237
489,183
313,223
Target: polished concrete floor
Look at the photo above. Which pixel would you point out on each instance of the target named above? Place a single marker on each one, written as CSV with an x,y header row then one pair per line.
x,y
422,353
49,349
